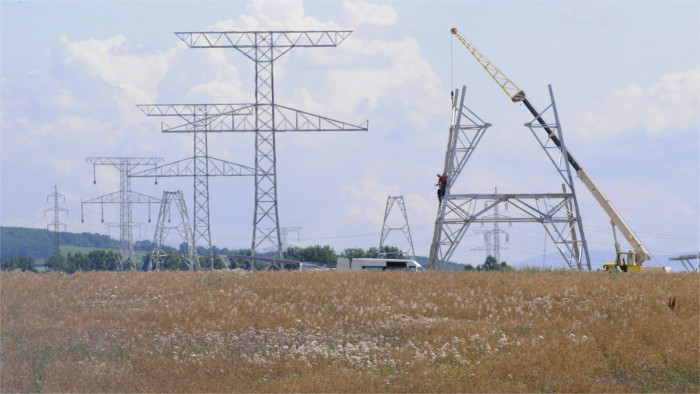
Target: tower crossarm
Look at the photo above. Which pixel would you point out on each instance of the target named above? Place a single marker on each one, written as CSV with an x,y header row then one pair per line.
x,y
131,161
186,167
115,198
190,110
247,42
285,119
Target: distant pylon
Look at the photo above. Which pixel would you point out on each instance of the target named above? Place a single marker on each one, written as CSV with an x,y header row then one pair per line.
x,y
386,228
492,238
56,224
125,197
284,231
184,229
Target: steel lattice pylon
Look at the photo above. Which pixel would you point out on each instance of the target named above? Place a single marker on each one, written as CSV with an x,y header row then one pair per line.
x,y
386,228
183,228
56,224
558,212
198,120
124,197
263,48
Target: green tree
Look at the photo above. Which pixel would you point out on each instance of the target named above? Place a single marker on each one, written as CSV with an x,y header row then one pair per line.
x,y
391,252
312,254
56,262
490,264
19,263
352,253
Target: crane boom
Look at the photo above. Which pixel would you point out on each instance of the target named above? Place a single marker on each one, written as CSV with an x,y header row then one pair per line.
x,y
518,95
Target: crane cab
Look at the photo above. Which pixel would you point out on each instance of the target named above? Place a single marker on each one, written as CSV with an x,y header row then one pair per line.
x,y
626,262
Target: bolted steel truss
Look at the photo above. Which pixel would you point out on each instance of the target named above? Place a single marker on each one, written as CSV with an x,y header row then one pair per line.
x,y
56,224
266,118
183,227
125,197
199,119
386,228
687,264
558,212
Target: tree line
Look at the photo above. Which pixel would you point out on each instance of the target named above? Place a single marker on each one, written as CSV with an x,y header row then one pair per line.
x,y
108,260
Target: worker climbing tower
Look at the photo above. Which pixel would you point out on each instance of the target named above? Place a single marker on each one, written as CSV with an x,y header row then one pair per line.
x,y
387,228
558,212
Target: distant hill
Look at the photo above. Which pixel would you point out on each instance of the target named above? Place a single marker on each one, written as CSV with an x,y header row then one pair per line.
x,y
38,243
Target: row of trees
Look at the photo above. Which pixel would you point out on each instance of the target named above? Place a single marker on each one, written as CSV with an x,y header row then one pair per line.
x,y
19,263
490,264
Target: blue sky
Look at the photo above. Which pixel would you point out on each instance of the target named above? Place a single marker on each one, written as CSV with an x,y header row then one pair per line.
x,y
625,75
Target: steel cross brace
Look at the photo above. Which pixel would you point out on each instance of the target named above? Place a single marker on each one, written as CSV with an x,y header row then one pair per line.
x,y
263,48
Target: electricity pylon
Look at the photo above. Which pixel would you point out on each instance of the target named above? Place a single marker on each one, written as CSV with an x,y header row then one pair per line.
x,y
125,197
492,238
56,224
557,212
201,166
158,255
386,228
266,117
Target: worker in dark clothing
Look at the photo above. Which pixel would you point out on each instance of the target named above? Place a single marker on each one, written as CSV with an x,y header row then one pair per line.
x,y
442,185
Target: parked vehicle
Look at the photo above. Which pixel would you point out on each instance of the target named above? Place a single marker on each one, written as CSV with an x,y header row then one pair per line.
x,y
381,264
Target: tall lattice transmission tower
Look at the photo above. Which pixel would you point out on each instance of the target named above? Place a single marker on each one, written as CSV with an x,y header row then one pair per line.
x,y
264,117
492,237
201,166
125,197
404,228
56,224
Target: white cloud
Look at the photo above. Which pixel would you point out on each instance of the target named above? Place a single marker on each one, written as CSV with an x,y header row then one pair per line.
x,y
64,100
670,105
362,12
136,75
366,197
273,15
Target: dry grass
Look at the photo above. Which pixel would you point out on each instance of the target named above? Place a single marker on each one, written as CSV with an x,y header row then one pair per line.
x,y
348,332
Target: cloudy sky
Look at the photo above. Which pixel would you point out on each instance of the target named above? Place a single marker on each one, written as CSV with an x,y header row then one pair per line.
x,y
625,76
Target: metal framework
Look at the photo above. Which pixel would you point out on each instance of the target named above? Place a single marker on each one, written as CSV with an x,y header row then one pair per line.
x,y
558,212
685,260
125,197
56,224
266,118
183,227
199,119
387,229
492,238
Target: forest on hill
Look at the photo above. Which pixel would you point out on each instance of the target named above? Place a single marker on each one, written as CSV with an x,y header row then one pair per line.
x,y
38,243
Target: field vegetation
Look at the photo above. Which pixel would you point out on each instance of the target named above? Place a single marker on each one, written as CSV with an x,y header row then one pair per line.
x,y
233,330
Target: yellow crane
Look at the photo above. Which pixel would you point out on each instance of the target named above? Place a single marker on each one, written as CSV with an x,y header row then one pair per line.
x,y
624,261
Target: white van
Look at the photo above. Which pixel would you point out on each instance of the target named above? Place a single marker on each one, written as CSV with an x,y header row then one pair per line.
x,y
357,264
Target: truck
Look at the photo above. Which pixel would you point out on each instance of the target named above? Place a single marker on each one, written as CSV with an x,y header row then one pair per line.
x,y
378,264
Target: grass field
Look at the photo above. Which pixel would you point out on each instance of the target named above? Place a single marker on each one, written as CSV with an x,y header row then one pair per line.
x,y
225,331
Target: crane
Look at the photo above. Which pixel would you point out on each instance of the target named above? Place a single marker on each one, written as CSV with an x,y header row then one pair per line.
x,y
639,254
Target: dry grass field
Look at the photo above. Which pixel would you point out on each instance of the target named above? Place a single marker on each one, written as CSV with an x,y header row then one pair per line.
x,y
237,331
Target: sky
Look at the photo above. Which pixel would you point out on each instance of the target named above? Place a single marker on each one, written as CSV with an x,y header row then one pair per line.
x,y
625,77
